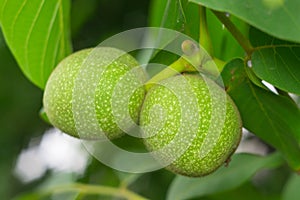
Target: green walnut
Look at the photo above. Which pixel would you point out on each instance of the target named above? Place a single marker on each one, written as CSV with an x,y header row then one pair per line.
x,y
95,93
190,124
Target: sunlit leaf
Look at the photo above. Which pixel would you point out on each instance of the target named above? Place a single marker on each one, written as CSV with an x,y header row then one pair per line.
x,y
177,15
279,18
273,118
167,14
37,32
241,168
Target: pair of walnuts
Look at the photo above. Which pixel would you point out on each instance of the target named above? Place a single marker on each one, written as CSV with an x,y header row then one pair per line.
x,y
186,120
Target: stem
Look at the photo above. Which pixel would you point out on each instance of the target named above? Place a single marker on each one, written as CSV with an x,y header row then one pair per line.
x,y
193,60
204,38
98,190
175,68
241,39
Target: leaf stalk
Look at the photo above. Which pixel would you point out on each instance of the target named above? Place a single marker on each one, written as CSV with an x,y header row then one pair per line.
x,y
240,38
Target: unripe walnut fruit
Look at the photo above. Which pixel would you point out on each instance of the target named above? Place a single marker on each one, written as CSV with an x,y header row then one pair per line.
x,y
118,74
191,124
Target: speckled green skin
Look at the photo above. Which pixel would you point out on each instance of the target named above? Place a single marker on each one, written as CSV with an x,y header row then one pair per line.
x,y
189,162
58,93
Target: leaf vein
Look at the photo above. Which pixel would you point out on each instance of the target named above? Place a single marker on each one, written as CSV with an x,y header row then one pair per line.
x,y
29,35
62,28
47,41
272,125
296,56
16,18
2,11
288,69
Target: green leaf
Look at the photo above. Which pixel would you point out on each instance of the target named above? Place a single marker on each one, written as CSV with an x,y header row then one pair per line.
x,y
254,79
279,18
247,191
165,14
276,61
279,66
175,14
241,168
275,119
291,190
178,15
37,32
259,39
191,26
